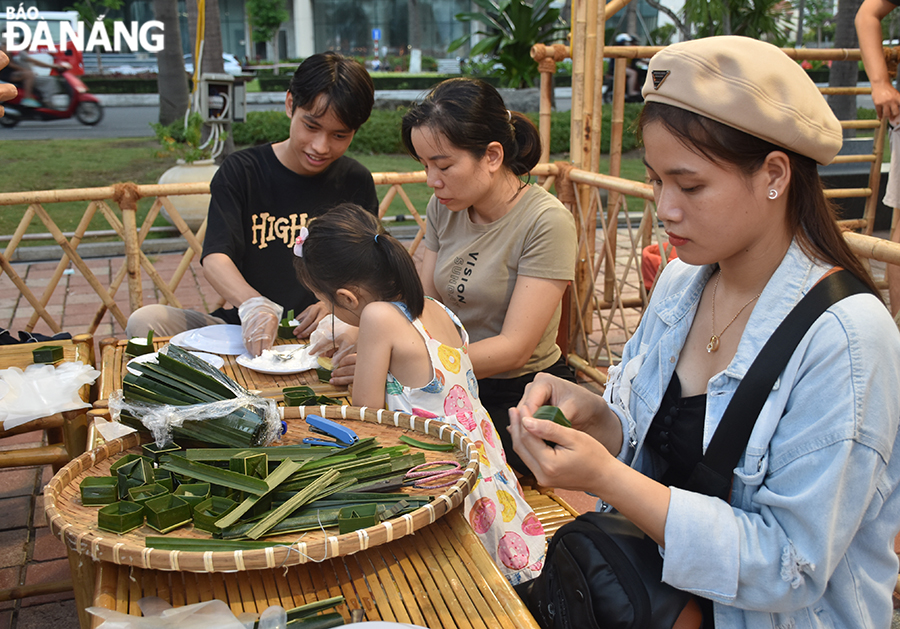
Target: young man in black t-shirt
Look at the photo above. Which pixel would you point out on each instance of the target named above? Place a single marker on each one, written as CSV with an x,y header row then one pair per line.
x,y
262,196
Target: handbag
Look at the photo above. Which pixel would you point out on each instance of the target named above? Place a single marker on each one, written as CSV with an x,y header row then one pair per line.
x,y
601,571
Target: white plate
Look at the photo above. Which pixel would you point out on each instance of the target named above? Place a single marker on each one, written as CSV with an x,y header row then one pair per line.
x,y
180,340
222,339
216,361
301,361
4,389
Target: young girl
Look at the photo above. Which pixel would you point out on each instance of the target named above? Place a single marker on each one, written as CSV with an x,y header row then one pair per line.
x,y
413,352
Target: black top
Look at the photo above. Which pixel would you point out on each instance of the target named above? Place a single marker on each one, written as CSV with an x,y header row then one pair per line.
x,y
676,433
257,208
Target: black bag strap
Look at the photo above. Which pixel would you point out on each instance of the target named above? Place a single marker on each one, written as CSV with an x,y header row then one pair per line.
x,y
712,475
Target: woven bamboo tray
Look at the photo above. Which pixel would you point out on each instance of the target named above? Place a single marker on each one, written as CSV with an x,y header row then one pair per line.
x,y
76,525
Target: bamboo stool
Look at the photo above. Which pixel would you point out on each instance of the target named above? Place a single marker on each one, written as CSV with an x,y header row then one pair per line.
x,y
66,435
66,432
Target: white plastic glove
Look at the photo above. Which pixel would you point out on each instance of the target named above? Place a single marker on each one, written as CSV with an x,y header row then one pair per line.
x,y
259,323
332,334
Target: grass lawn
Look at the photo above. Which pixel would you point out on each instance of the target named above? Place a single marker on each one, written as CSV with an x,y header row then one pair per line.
x,y
55,165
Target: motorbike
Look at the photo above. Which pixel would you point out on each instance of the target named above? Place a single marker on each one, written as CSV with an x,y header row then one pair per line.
x,y
640,66
62,96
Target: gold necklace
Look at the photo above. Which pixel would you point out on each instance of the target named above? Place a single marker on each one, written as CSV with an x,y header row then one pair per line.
x,y
713,344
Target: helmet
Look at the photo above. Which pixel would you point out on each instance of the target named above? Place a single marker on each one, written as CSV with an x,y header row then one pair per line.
x,y
624,39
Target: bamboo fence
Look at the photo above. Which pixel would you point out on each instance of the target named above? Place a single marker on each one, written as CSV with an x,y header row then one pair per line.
x,y
606,300
603,305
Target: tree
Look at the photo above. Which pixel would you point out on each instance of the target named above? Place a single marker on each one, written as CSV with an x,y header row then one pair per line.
x,y
845,73
90,12
759,19
266,17
171,78
510,29
818,21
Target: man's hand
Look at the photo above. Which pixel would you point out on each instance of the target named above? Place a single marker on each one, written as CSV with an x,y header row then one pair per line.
x,y
259,323
309,319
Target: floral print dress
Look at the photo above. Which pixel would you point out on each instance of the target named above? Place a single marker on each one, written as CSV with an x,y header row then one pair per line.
x,y
496,509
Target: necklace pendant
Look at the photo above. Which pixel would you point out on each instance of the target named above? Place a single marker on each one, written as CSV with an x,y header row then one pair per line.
x,y
713,344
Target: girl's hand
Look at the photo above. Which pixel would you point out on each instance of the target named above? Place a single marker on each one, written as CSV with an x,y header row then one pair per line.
x,y
577,461
344,369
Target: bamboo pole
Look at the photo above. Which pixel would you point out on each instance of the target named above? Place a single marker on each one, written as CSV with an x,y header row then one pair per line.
x,y
30,296
64,261
20,231
579,34
26,591
596,79
617,123
143,260
126,198
185,262
579,364
874,248
182,227
875,177
589,56
78,262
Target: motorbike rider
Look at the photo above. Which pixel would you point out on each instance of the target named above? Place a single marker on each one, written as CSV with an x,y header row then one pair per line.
x,y
19,73
632,75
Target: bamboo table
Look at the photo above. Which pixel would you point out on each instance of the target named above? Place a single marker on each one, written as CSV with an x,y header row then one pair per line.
x,y
441,576
113,361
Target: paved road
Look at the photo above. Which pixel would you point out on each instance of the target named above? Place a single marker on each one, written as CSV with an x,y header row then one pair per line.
x,y
118,122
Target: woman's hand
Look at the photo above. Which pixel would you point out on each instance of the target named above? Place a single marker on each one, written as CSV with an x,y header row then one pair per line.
x,y
585,410
577,461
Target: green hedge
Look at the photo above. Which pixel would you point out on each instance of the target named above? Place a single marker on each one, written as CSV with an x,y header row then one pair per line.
x,y
381,134
120,85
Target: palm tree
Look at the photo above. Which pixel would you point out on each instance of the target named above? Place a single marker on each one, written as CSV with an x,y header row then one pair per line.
x,y
512,28
171,78
845,73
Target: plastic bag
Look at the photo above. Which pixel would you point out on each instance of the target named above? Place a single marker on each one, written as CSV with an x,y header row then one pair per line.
x,y
333,334
215,614
42,390
161,419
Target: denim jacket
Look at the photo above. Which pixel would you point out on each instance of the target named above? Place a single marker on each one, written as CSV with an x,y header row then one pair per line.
x,y
807,539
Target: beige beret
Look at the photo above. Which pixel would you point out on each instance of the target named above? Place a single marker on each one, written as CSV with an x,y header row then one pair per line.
x,y
749,85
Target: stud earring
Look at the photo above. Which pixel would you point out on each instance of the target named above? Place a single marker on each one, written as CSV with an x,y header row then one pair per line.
x,y
773,194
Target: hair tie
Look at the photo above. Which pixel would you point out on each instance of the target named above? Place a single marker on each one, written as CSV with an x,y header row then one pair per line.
x,y
298,243
376,239
508,116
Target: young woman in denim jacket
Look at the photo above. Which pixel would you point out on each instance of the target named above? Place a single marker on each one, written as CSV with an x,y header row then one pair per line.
x,y
732,131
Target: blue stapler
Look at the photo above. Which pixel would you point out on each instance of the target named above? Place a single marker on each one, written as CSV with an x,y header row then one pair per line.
x,y
343,436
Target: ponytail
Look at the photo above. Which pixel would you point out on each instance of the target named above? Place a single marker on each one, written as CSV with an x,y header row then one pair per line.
x,y
348,246
470,113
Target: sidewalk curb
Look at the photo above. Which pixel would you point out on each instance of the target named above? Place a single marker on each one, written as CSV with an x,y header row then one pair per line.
x,y
52,253
277,98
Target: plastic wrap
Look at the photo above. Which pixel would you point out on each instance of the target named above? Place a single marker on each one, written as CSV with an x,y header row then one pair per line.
x,y
42,390
240,415
165,420
215,614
